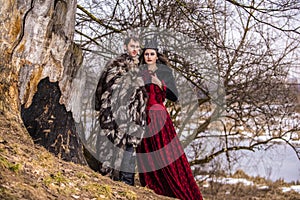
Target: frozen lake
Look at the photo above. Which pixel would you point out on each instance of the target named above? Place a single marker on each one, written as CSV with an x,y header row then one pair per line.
x,y
278,162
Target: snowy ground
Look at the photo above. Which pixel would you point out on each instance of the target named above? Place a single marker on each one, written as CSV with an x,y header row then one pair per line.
x,y
246,182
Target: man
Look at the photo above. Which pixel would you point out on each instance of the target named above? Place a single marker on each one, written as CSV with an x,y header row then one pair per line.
x,y
121,99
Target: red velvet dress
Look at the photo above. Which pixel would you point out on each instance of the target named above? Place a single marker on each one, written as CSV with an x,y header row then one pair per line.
x,y
162,164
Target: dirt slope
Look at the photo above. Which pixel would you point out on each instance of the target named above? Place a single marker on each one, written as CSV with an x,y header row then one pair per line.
x,y
28,171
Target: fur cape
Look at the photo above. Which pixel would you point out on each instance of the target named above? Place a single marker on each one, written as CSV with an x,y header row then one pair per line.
x,y
120,99
165,74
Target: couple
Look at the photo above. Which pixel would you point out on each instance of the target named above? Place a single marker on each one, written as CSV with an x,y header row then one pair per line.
x,y
135,124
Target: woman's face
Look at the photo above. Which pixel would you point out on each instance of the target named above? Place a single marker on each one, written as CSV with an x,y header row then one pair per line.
x,y
150,56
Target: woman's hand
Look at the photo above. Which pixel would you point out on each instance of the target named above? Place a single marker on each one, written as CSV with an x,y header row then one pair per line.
x,y
156,81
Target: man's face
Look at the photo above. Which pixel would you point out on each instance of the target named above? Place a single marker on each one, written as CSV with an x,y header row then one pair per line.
x,y
133,48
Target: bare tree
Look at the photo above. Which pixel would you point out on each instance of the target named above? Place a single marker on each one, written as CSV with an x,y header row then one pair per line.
x,y
253,59
251,46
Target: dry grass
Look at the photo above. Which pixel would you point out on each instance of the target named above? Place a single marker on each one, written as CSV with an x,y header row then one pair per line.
x,y
28,171
239,191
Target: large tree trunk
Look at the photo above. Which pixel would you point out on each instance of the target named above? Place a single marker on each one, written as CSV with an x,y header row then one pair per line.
x,y
37,44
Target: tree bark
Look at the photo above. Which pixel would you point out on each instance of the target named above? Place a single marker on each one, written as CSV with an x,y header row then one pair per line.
x,y
37,44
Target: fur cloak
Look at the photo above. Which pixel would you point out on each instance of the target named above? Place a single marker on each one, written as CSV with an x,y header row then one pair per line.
x,y
120,99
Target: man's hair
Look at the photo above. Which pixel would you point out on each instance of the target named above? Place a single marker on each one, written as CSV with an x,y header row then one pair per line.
x,y
127,40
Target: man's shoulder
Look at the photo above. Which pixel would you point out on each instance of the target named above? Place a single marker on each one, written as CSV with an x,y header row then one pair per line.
x,y
122,57
119,60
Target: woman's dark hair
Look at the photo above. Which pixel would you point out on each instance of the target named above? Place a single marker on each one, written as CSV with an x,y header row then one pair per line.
x,y
164,73
162,59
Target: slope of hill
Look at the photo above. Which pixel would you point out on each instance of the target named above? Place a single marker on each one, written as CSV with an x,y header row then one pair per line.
x,y
28,171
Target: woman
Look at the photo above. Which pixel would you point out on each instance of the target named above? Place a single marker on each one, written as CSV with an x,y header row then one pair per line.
x,y
162,163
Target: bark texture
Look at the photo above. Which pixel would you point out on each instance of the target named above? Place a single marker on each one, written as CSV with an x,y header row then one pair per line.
x,y
37,43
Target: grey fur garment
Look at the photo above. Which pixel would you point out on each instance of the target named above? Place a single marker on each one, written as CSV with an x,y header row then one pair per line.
x,y
121,99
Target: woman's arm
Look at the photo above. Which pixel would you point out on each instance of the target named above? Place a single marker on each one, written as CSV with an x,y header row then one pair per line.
x,y
169,80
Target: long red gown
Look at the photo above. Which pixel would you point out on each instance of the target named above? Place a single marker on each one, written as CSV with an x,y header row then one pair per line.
x,y
163,166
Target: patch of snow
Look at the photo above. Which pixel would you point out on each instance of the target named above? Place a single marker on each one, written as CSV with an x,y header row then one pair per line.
x,y
226,180
246,182
263,187
236,181
286,189
295,188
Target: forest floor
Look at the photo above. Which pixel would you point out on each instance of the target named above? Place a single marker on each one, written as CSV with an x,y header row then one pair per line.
x,y
28,171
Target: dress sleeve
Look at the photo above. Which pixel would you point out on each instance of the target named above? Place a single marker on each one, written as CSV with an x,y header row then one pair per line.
x,y
169,81
171,90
